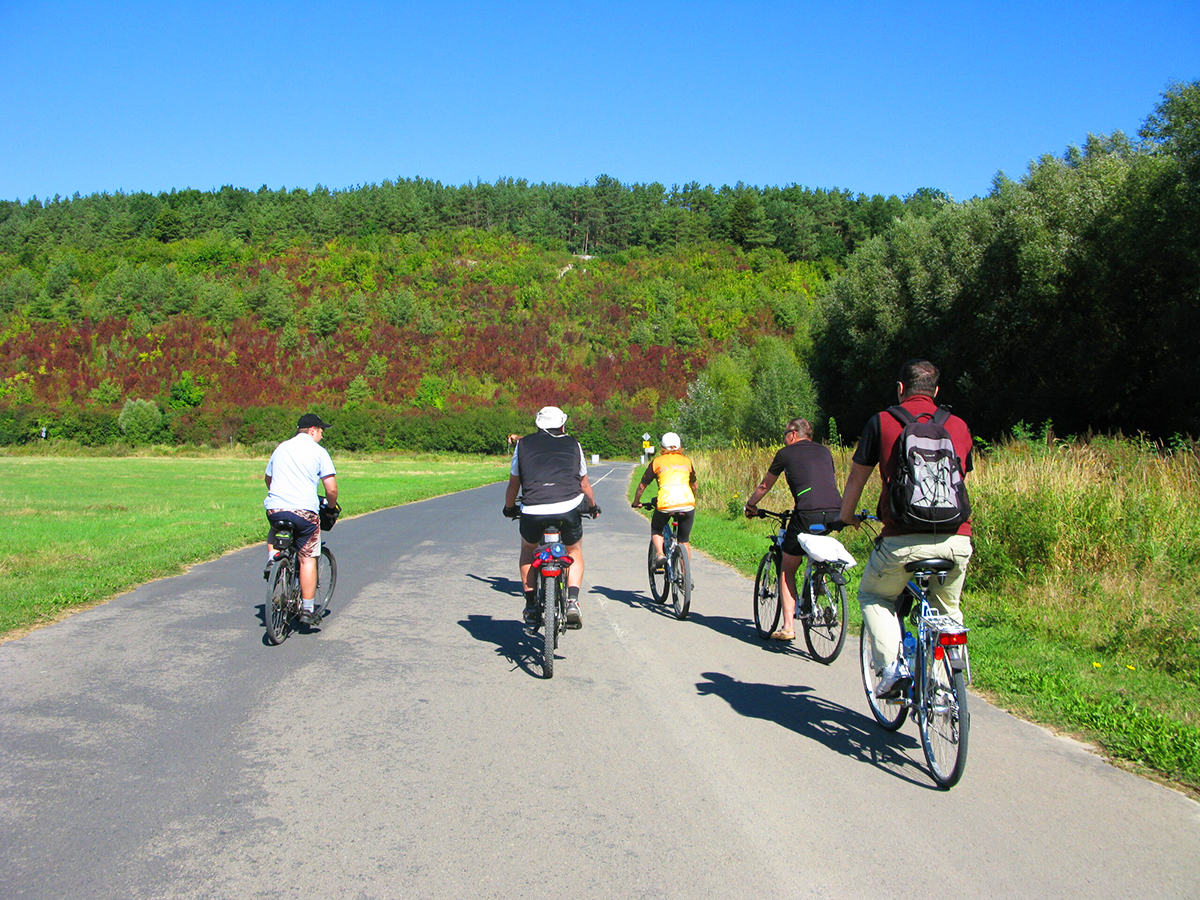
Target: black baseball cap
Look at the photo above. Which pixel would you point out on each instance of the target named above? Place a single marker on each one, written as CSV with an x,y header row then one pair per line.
x,y
311,420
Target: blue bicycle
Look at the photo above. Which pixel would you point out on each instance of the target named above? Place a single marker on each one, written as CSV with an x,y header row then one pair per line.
x,y
937,669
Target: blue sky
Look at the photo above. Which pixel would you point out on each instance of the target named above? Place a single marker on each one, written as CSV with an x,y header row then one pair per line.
x,y
871,97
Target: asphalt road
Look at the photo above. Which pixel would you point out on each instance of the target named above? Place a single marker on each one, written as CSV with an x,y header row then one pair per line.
x,y
155,747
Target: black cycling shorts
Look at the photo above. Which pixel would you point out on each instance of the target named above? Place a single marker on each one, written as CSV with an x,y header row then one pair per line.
x,y
570,525
801,520
683,530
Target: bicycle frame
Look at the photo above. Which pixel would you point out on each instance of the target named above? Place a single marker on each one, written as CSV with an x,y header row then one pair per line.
x,y
936,633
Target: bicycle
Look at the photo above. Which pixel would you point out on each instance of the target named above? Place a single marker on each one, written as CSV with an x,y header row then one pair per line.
x,y
822,601
283,606
551,562
937,673
675,573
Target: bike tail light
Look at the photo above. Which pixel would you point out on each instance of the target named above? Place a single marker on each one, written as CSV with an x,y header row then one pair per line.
x,y
952,639
939,652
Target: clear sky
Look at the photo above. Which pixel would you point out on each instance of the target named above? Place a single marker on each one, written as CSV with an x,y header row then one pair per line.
x,y
871,97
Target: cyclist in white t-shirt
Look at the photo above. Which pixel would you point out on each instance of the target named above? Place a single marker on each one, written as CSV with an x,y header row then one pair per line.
x,y
293,471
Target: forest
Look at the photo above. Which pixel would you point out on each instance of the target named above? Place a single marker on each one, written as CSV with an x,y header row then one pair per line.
x,y
424,316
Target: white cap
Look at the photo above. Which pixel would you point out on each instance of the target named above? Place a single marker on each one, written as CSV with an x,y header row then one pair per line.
x,y
670,441
551,417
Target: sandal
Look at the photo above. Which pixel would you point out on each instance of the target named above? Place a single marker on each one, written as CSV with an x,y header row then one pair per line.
x,y
782,635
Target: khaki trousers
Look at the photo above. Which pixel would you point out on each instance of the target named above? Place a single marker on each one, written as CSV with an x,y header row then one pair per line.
x,y
884,580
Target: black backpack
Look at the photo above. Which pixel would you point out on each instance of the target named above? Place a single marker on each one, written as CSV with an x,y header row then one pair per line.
x,y
928,493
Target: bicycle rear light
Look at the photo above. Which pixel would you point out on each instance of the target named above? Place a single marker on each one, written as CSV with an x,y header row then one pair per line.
x,y
952,638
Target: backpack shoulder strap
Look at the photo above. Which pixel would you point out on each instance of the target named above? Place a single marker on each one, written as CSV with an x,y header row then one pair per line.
x,y
902,415
941,416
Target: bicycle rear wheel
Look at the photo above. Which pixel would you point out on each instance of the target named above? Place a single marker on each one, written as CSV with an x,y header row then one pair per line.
x,y
681,583
549,607
825,627
277,611
767,605
888,713
658,580
944,720
326,581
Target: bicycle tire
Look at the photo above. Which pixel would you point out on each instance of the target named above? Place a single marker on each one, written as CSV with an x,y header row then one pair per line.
x,y
890,714
943,719
681,583
277,614
658,580
548,604
326,581
767,605
825,627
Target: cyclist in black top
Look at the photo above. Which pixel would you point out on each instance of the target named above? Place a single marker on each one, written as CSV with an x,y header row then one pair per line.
x,y
813,483
549,471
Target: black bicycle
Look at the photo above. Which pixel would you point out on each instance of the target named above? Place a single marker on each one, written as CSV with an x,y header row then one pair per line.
x,y
674,574
551,563
936,673
283,606
822,601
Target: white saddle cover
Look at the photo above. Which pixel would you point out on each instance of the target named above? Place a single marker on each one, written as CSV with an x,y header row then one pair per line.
x,y
825,548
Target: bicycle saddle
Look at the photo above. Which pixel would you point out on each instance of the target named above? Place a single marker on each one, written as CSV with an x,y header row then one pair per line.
x,y
930,565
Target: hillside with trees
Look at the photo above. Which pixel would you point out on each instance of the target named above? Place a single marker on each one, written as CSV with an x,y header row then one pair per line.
x,y
429,316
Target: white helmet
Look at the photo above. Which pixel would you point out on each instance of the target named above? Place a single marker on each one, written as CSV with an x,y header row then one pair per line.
x,y
670,441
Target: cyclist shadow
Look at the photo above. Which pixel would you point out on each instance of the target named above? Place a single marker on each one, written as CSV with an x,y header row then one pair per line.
x,y
260,612
634,598
508,586
839,728
512,641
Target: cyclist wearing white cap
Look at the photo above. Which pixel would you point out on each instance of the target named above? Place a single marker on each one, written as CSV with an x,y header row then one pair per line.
x,y
676,477
549,471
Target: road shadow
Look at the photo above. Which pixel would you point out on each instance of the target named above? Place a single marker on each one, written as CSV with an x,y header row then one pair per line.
x,y
512,641
842,730
298,627
503,585
634,599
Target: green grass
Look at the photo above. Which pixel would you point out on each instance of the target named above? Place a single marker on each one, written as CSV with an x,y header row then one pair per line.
x,y
80,530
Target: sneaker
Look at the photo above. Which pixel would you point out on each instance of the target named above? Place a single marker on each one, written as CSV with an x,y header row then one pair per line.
x,y
532,615
574,617
309,616
660,564
892,682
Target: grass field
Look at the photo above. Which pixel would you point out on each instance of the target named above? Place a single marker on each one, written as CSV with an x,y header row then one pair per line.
x,y
80,530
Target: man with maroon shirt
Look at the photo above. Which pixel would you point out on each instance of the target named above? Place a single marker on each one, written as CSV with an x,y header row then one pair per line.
x,y
885,576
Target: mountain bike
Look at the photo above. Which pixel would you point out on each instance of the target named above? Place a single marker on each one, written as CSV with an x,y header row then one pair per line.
x,y
675,574
283,606
937,673
551,563
822,602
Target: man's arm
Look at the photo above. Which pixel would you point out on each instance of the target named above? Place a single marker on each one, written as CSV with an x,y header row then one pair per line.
x,y
267,479
514,487
765,485
855,482
330,482
586,486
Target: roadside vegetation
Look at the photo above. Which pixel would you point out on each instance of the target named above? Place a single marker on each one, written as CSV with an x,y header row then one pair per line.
x,y
79,530
1083,595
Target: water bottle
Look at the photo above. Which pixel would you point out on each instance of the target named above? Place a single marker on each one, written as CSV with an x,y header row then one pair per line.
x,y
910,650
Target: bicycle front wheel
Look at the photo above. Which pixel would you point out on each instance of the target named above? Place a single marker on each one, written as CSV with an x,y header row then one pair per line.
x,y
767,605
681,583
888,713
277,612
825,626
658,580
549,625
326,581
943,719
